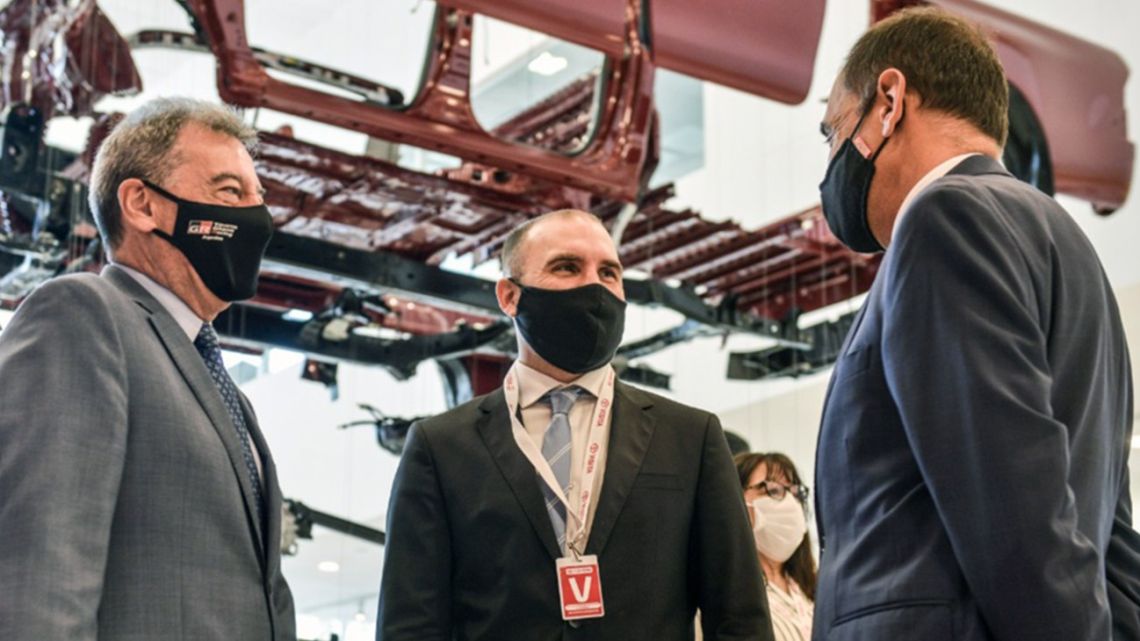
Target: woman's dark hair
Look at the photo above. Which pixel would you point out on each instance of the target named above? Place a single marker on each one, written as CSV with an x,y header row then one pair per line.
x,y
800,567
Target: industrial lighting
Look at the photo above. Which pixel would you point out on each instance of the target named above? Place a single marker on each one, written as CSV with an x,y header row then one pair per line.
x,y
547,64
328,566
321,372
297,316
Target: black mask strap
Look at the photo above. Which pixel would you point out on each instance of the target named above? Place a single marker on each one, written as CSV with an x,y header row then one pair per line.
x,y
855,131
167,195
162,192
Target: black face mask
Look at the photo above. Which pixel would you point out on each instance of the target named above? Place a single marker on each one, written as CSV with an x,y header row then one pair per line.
x,y
223,244
575,330
844,191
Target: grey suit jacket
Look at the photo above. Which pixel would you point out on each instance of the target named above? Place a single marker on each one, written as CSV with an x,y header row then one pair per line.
x,y
471,553
125,509
972,479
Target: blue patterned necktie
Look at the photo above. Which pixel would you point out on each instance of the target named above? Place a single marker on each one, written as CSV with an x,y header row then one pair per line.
x,y
208,347
556,451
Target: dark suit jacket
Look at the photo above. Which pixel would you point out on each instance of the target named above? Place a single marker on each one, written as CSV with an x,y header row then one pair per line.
x,y
126,513
470,551
972,479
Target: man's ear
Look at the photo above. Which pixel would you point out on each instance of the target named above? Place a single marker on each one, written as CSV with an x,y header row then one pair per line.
x,y
507,294
138,206
891,90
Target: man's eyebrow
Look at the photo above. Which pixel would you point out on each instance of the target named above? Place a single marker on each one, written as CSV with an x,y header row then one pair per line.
x,y
613,264
226,175
825,129
565,256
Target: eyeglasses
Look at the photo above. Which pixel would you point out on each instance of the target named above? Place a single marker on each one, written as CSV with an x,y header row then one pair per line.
x,y
777,490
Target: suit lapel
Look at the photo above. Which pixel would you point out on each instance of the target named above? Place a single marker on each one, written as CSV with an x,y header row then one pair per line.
x,y
871,296
273,498
494,427
631,430
193,370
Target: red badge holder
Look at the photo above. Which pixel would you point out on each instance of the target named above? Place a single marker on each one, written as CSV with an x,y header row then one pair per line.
x,y
580,588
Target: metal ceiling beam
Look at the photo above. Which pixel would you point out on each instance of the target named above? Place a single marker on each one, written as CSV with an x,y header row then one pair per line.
x,y
387,273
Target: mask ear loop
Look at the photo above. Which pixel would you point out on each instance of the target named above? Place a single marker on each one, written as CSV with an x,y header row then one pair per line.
x,y
875,156
169,196
162,192
872,158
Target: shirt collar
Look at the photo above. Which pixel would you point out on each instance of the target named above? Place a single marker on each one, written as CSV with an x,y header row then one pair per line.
x,y
533,384
941,170
175,306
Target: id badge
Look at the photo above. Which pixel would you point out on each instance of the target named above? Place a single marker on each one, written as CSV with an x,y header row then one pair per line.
x,y
580,588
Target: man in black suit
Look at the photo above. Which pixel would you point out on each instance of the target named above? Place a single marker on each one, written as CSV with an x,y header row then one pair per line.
x,y
972,479
493,498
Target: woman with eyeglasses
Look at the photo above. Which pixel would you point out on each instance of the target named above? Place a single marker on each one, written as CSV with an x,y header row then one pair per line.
x,y
777,502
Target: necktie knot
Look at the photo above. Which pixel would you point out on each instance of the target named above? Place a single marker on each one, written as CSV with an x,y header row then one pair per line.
x,y
561,400
207,340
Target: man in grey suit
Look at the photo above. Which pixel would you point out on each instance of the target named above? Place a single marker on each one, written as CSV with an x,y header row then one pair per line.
x,y
493,498
138,499
972,479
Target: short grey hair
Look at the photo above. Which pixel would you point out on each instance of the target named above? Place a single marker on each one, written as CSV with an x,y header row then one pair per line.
x,y
141,146
511,256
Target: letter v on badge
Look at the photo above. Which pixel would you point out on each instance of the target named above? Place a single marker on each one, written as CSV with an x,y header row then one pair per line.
x,y
580,588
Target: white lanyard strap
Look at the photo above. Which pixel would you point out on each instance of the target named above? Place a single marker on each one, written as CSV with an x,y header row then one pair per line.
x,y
596,433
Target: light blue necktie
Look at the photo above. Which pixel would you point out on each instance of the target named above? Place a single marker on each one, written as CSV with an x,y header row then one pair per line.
x,y
556,451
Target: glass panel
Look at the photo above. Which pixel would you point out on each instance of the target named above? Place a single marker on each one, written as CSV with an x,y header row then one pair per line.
x,y
679,100
374,50
531,88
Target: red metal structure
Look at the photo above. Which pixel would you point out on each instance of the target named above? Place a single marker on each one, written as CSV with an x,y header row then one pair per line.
x,y
373,225
1084,123
440,118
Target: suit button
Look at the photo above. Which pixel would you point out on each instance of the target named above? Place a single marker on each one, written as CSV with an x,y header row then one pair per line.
x,y
575,624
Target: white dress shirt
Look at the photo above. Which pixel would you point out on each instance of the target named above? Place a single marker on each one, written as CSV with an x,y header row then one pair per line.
x,y
175,306
934,174
536,415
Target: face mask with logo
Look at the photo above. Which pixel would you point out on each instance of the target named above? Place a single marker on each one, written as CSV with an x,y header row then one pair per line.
x,y
844,192
778,526
575,330
223,244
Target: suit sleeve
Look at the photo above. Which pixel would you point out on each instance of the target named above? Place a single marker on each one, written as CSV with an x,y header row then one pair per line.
x,y
965,360
731,598
63,436
1122,568
415,589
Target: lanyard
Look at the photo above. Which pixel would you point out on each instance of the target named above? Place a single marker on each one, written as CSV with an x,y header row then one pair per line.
x,y
594,437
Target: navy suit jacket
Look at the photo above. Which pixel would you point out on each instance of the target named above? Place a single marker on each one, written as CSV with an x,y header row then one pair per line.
x,y
972,479
470,552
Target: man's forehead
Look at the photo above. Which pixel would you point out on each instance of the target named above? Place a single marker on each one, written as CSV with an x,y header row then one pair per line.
x,y
588,239
839,102
209,156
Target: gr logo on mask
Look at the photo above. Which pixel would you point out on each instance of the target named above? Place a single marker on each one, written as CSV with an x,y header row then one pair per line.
x,y
223,244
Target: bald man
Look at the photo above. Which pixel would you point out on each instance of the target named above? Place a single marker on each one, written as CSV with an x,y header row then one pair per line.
x,y
568,505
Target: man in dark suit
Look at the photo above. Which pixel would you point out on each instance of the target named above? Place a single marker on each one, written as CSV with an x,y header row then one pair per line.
x,y
493,497
138,499
972,479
